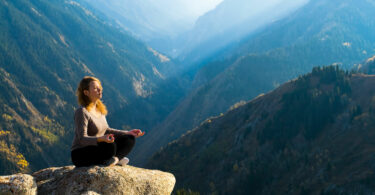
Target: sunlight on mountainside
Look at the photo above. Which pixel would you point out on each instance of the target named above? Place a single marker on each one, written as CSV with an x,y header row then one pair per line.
x,y
371,59
140,85
162,57
36,12
62,39
346,44
87,12
111,46
157,73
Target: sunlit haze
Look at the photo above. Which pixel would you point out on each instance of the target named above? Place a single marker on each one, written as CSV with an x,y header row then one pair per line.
x,y
197,8
175,27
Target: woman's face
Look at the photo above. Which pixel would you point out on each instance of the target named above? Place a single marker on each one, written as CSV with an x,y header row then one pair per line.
x,y
95,91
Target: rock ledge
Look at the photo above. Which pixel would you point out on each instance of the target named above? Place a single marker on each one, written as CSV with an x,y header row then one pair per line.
x,y
17,184
94,180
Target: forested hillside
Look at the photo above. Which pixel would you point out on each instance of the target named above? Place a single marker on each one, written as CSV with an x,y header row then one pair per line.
x,y
278,53
46,47
312,135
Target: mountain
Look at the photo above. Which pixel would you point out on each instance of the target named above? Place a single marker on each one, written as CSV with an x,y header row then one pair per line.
x,y
189,30
282,51
312,135
159,23
145,19
229,23
149,19
46,47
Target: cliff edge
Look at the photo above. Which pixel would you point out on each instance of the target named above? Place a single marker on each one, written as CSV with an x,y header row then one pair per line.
x,y
99,180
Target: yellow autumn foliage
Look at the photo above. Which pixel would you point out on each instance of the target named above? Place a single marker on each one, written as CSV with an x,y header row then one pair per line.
x,y
7,117
4,133
46,119
50,137
13,156
22,161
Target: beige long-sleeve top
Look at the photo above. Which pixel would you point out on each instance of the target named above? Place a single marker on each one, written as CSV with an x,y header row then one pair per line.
x,y
89,127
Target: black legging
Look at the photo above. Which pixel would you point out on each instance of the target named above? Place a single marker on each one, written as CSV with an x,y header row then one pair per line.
x,y
97,155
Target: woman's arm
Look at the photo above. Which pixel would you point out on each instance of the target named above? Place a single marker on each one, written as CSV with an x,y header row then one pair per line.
x,y
133,132
81,120
115,131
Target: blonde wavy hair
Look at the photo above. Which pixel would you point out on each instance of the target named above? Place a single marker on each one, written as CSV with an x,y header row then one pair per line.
x,y
84,100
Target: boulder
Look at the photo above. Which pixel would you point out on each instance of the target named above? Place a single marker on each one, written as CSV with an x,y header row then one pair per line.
x,y
103,180
21,184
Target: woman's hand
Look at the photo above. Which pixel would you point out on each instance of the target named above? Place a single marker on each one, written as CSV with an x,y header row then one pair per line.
x,y
136,133
108,138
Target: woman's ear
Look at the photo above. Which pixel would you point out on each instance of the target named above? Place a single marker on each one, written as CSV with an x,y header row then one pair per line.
x,y
86,92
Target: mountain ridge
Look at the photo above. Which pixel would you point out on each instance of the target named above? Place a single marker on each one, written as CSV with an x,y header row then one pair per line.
x,y
273,145
248,70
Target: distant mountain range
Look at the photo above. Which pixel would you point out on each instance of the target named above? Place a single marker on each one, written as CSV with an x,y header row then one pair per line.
x,y
281,52
144,19
173,27
229,23
312,135
46,47
158,23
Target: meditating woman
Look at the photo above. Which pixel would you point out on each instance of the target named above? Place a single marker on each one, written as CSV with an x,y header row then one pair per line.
x,y
94,142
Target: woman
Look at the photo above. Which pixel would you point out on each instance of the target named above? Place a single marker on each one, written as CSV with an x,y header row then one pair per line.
x,y
94,142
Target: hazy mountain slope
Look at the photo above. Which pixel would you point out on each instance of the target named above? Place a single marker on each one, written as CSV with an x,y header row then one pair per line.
x,y
160,23
190,32
340,38
149,19
46,47
350,17
137,17
309,136
229,22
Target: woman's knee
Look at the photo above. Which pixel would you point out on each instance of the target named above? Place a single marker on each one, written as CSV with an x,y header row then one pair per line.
x,y
131,140
128,139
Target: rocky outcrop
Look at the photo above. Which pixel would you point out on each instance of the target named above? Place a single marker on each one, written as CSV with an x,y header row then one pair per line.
x,y
21,184
89,181
103,180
